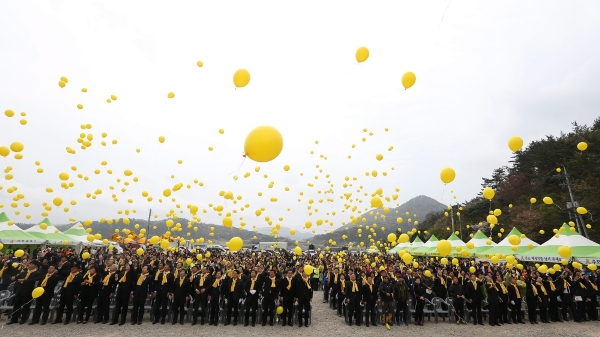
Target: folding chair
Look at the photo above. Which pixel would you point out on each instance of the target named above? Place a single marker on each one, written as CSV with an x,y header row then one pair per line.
x,y
429,309
437,308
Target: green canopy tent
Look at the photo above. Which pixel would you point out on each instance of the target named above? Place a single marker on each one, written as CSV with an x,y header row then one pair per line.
x,y
505,247
78,233
51,234
428,248
407,245
455,241
582,249
13,235
480,243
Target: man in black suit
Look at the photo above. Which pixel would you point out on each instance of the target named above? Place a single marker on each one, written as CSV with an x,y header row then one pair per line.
x,y
304,295
515,301
64,267
353,297
369,299
43,302
162,286
141,292
287,293
68,294
474,294
25,283
181,294
233,292
253,288
107,291
270,295
201,295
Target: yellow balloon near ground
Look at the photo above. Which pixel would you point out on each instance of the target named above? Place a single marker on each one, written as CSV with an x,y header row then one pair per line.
x,y
564,251
308,269
408,79
85,255
279,310
37,292
447,175
263,144
362,54
241,78
19,253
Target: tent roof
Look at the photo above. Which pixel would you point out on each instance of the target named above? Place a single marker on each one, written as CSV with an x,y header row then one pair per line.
x,y
51,234
14,234
504,247
581,247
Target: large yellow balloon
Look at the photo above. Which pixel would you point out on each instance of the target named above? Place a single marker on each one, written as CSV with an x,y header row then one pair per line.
x,y
235,244
362,54
376,202
227,222
408,79
85,255
19,253
16,147
4,151
564,251
447,175
515,143
391,237
263,144
444,247
514,240
582,146
489,193
241,78
37,292
404,238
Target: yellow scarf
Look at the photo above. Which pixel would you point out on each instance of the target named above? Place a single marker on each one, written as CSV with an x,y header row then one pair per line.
x,y
252,283
582,285
542,287
181,279
202,277
535,293
552,287
594,286
45,280
306,282
343,283
29,272
107,278
516,290
156,275
354,287
87,273
141,279
272,282
123,279
442,281
474,284
364,281
335,278
192,276
566,284
233,285
2,271
370,287
164,280
504,290
217,283
69,279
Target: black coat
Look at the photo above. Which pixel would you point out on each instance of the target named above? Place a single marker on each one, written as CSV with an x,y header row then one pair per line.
x,y
24,289
473,294
492,292
180,290
50,284
110,287
369,294
72,289
90,289
238,290
159,286
145,288
354,296
303,291
269,289
124,288
257,285
283,287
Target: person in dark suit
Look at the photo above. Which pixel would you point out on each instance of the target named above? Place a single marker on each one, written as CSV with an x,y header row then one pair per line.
x,y
180,291
369,299
304,295
87,293
141,291
42,304
107,290
253,289
456,292
193,276
270,295
532,299
68,295
419,294
353,298
287,294
493,299
6,274
124,286
233,292
474,294
543,300
579,293
215,296
341,294
162,286
25,283
201,288
552,294
515,300
503,301
563,287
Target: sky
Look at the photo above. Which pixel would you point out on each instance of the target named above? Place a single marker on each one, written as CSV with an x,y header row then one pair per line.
x,y
485,72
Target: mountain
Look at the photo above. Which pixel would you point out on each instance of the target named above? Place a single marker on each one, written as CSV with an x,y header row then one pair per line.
x,y
285,233
417,208
221,233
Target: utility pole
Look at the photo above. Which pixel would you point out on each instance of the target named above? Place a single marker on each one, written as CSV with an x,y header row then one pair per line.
x,y
148,226
452,217
572,206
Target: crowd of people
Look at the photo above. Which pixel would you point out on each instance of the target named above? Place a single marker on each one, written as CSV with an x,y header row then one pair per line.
x,y
213,285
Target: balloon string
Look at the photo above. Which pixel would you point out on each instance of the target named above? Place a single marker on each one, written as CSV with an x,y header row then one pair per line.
x,y
443,190
10,316
443,15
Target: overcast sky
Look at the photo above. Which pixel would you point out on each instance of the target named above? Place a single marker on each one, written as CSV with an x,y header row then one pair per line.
x,y
486,72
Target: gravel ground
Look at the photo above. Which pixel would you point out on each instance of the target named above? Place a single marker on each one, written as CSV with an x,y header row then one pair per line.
x,y
324,322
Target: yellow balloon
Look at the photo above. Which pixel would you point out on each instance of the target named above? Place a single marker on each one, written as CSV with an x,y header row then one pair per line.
x,y
547,200
515,143
444,247
227,222
582,146
57,201
19,253
564,251
4,151
37,292
391,237
581,210
85,255
279,310
263,144
427,273
235,244
139,251
241,78
514,240
489,193
16,147
404,238
161,139
447,175
408,79
298,250
362,54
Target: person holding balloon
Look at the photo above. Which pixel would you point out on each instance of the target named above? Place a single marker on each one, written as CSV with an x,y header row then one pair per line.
x,y
42,304
25,283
